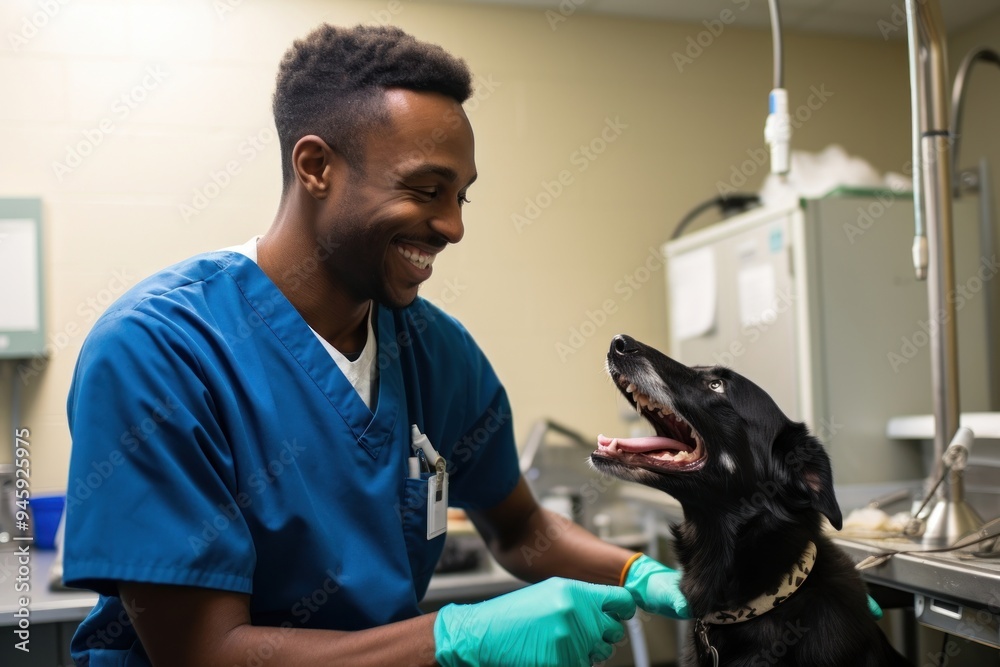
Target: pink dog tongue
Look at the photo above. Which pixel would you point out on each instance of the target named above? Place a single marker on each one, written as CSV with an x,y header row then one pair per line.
x,y
639,445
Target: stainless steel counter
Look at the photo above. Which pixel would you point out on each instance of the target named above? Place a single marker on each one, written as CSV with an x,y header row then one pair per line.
x,y
473,586
949,576
952,592
45,606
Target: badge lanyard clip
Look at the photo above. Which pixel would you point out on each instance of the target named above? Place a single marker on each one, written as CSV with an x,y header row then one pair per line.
x,y
437,486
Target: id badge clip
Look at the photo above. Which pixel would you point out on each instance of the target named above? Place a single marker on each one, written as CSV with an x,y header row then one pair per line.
x,y
437,486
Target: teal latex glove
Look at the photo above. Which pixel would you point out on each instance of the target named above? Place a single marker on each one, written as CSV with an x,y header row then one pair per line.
x,y
656,588
874,609
557,623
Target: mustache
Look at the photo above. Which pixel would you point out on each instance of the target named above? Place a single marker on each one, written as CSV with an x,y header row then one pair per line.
x,y
437,242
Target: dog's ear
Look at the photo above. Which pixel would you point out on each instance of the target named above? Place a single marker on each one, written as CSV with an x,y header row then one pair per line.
x,y
809,467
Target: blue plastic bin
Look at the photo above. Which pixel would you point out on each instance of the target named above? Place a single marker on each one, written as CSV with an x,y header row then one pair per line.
x,y
46,512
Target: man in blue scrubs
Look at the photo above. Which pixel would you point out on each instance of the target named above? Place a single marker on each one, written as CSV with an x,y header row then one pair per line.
x,y
256,405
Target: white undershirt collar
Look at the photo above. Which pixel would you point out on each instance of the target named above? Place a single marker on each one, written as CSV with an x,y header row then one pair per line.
x,y
362,373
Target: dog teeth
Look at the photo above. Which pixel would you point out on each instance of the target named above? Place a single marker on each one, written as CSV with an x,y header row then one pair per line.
x,y
644,402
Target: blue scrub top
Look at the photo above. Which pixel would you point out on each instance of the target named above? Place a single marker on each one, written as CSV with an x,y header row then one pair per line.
x,y
217,444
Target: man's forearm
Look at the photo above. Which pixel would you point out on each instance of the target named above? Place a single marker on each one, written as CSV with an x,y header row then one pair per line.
x,y
551,545
195,627
409,643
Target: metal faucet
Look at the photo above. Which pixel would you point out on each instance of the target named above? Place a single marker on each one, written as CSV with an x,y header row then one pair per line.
x,y
933,248
536,438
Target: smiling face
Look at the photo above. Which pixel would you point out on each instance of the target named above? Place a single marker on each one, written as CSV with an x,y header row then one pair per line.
x,y
395,212
719,437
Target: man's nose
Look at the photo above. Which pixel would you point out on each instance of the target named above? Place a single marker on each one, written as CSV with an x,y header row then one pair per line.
x,y
448,223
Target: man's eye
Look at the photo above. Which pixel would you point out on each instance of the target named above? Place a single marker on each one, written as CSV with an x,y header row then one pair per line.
x,y
430,193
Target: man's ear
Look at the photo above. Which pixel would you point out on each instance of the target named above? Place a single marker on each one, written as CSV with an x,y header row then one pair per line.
x,y
313,162
809,468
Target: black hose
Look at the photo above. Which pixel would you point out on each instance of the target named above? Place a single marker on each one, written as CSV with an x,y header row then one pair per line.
x,y
738,201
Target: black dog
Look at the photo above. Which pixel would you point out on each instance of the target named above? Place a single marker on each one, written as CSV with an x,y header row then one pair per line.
x,y
763,583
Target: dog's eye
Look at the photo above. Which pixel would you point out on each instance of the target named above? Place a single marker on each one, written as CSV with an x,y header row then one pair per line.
x,y
716,386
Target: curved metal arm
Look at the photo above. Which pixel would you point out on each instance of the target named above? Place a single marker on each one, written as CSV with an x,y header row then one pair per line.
x,y
958,102
537,437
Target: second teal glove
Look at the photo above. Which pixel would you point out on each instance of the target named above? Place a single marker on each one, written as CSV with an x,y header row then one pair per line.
x,y
656,588
557,623
874,609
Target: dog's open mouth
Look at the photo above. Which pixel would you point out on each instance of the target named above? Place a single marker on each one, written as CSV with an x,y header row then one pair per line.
x,y
676,447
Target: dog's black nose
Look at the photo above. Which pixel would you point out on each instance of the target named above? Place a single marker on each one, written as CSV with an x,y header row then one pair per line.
x,y
622,345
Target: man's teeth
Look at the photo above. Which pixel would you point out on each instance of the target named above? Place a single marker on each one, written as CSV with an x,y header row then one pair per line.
x,y
417,259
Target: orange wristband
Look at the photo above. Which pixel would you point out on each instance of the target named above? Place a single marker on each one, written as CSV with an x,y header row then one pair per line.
x,y
628,564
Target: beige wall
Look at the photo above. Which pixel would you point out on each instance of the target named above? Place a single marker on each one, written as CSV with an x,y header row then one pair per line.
x,y
543,94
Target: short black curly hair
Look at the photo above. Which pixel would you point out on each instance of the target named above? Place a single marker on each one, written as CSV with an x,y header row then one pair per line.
x,y
331,84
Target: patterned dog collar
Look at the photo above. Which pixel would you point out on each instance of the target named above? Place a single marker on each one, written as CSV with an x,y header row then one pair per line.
x,y
772,598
